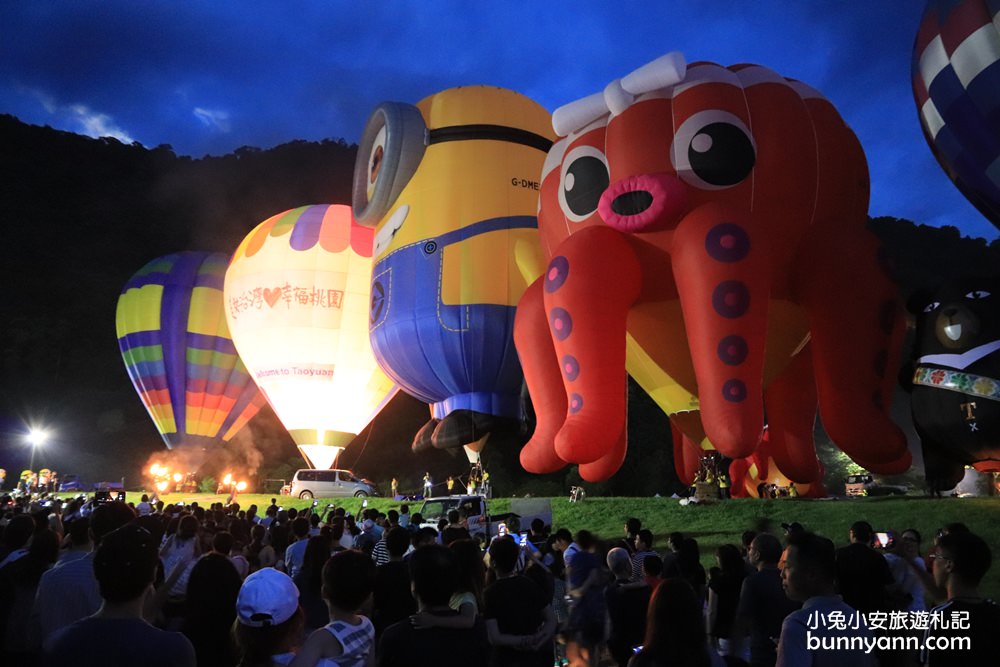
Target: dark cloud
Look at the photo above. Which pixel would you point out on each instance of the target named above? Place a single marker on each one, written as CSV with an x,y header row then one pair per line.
x,y
208,77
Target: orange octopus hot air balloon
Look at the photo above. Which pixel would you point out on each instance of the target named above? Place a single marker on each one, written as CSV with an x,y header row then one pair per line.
x,y
713,220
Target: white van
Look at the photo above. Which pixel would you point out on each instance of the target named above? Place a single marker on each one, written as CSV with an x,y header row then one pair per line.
x,y
309,483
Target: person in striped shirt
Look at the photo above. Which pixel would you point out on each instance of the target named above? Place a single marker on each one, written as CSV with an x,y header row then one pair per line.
x,y
643,548
349,638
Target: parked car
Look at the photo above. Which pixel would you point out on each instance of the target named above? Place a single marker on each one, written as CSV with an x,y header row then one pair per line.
x,y
72,483
866,485
75,483
312,483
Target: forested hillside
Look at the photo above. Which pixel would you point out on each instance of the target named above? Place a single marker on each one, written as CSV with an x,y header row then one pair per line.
x,y
81,215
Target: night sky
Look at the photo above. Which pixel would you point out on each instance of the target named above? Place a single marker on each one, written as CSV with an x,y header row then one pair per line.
x,y
210,77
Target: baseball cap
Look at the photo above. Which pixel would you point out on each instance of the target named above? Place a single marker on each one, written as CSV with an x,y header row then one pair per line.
x,y
793,527
267,597
125,562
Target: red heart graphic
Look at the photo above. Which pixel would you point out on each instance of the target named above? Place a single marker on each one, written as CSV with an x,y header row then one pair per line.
x,y
272,295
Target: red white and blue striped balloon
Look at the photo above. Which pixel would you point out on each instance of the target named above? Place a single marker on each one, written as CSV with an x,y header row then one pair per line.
x,y
956,83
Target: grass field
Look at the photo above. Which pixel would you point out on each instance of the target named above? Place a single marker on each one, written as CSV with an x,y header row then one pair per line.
x,y
723,522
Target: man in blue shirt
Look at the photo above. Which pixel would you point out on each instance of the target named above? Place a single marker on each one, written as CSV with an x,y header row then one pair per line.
x,y
826,632
295,553
125,566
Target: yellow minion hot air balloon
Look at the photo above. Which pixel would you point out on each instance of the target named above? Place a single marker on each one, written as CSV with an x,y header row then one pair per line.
x,y
451,187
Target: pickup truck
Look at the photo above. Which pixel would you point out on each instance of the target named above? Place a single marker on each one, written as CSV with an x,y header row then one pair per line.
x,y
478,517
474,507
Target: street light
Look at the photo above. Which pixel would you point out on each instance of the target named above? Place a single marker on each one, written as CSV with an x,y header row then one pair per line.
x,y
36,438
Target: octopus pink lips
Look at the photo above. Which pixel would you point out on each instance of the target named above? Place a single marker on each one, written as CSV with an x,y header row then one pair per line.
x,y
643,203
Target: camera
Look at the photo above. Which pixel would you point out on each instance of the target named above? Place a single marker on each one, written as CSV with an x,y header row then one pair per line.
x,y
885,540
108,495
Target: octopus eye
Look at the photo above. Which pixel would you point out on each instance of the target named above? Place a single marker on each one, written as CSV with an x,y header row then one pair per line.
x,y
931,307
977,294
583,180
713,150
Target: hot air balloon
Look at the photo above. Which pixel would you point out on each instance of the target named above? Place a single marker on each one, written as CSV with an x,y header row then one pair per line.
x,y
954,378
956,76
579,158
690,214
451,187
173,337
748,474
297,297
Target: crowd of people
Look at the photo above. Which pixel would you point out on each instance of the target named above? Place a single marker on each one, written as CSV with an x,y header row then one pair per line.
x,y
88,583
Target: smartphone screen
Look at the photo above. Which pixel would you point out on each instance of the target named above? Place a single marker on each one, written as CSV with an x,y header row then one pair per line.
x,y
524,540
884,540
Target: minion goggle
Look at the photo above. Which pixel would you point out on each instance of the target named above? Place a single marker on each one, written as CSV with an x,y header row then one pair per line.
x,y
392,147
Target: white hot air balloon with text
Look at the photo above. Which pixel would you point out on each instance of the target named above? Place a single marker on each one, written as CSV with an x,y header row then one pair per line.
x,y
297,303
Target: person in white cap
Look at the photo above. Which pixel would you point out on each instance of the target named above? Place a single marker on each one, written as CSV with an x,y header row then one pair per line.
x,y
269,620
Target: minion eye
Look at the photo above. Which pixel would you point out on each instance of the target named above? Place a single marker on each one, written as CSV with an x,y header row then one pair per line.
x,y
583,179
931,307
392,146
376,159
377,155
713,150
977,294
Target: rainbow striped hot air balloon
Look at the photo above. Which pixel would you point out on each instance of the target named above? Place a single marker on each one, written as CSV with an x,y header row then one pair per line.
x,y
297,298
174,339
956,84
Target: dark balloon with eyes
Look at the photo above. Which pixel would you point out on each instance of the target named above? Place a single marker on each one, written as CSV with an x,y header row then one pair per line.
x,y
954,377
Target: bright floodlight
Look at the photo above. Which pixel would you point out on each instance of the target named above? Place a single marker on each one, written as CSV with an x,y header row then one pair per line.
x,y
37,437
